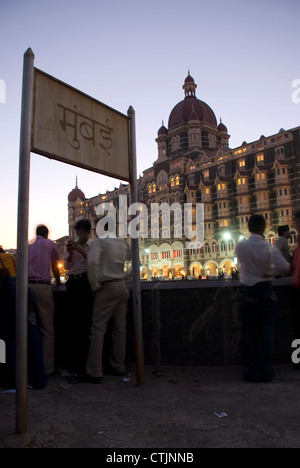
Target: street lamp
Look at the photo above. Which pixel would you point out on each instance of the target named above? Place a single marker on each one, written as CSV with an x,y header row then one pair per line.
x,y
226,235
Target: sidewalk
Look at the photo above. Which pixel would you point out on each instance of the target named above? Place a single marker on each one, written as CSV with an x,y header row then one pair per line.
x,y
176,409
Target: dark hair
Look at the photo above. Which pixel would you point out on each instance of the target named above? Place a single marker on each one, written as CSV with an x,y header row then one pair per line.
x,y
256,223
84,224
42,230
282,229
297,214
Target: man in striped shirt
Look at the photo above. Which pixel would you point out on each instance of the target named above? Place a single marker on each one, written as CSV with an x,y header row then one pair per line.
x,y
42,258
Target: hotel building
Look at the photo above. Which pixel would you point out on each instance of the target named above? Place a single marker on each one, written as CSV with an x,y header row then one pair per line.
x,y
195,164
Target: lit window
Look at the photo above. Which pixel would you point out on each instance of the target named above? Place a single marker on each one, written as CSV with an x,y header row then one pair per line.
x,y
154,187
165,254
242,163
172,182
260,157
207,191
177,253
177,180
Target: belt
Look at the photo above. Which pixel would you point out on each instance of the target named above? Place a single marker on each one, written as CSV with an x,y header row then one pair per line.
x,y
78,276
111,280
38,282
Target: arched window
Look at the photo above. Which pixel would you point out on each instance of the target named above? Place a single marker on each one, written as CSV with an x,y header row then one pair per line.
x,y
162,180
223,246
279,152
177,180
172,182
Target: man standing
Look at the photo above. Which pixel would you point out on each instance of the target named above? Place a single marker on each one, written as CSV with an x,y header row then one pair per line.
x,y
259,263
296,255
79,298
42,257
296,283
282,244
106,261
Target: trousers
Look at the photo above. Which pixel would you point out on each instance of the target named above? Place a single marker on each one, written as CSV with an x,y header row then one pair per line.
x,y
258,313
110,302
45,319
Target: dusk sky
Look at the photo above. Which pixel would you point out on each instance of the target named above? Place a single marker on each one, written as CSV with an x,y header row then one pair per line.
x,y
243,56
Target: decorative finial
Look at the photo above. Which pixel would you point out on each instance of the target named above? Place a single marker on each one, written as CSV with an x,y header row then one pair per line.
x,y
162,122
76,186
188,71
220,119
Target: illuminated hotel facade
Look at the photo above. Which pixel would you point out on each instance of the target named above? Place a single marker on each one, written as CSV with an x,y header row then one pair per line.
x,y
196,165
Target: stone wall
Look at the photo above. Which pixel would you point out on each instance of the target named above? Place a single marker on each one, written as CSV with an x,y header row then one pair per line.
x,y
196,323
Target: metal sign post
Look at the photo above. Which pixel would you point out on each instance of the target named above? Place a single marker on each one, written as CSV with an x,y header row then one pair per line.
x,y
22,246
62,123
136,287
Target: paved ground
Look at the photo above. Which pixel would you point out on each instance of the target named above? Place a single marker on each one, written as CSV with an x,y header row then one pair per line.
x,y
174,410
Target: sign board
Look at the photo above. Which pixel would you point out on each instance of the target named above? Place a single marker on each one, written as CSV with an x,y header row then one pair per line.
x,y
72,127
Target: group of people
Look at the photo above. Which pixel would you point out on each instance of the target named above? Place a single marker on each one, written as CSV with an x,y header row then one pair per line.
x,y
259,264
96,295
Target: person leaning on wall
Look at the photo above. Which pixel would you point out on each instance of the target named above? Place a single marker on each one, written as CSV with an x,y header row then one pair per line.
x,y
260,262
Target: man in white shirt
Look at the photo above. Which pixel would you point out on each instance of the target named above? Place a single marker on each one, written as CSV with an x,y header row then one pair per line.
x,y
106,275
260,262
79,299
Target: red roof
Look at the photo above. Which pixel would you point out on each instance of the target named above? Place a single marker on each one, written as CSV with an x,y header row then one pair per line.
x,y
183,110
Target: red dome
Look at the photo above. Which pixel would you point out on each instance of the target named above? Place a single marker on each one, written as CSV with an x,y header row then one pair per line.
x,y
222,128
184,109
162,130
76,193
193,116
189,79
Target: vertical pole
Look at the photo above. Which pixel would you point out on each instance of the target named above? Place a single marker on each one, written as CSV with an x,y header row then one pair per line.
x,y
156,326
22,246
136,286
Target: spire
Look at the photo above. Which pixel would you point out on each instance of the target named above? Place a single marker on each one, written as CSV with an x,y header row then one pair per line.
x,y
189,86
76,185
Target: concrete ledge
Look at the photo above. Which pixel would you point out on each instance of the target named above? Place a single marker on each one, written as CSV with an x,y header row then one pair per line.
x,y
197,323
